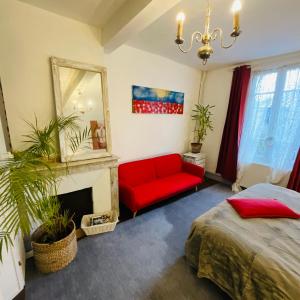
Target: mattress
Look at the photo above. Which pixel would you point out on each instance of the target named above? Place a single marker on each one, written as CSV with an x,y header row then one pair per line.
x,y
249,258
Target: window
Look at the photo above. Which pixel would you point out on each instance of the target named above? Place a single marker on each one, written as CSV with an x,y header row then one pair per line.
x,y
271,132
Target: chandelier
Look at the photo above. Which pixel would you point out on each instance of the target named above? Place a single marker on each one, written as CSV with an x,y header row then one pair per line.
x,y
205,51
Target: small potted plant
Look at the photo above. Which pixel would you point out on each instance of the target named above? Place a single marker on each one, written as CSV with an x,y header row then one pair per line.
x,y
202,116
28,195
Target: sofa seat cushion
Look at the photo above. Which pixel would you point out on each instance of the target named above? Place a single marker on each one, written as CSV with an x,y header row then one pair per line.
x,y
152,192
178,183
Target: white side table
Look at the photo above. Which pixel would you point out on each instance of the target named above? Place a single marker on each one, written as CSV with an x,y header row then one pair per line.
x,y
195,158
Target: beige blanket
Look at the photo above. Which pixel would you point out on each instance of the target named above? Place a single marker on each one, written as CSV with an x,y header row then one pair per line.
x,y
249,258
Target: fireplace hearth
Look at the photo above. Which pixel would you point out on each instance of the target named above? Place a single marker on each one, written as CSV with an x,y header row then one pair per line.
x,y
77,203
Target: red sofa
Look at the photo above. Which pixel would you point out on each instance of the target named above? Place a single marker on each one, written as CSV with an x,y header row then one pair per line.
x,y
145,182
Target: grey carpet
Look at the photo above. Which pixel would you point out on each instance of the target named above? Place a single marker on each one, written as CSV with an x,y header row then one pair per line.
x,y
142,259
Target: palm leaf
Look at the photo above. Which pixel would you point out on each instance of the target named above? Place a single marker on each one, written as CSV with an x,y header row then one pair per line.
x,y
43,142
79,140
6,239
24,182
27,181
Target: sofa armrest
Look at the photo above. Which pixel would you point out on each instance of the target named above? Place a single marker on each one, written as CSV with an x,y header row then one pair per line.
x,y
193,169
126,195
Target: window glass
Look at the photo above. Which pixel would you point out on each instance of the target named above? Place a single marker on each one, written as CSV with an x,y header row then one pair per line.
x,y
271,132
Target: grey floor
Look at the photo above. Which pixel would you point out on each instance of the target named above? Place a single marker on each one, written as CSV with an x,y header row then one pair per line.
x,y
142,259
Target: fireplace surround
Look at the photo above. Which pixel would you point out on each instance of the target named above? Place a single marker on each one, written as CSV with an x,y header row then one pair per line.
x,y
100,175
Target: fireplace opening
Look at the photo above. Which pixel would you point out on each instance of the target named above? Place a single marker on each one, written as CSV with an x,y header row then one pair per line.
x,y
77,203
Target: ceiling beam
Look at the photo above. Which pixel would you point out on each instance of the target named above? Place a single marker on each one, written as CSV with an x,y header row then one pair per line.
x,y
132,17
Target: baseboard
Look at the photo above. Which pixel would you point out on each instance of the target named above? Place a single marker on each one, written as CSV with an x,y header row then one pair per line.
x,y
21,295
29,254
217,177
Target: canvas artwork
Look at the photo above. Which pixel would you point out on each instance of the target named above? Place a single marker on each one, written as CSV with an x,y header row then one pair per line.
x,y
156,101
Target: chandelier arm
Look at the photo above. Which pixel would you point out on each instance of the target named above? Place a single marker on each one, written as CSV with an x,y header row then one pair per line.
x,y
195,36
220,31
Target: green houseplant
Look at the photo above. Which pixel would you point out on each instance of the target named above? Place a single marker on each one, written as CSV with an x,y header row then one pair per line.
x,y
28,189
202,116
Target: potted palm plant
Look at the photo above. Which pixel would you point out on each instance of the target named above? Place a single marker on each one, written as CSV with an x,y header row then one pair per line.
x,y
28,195
202,116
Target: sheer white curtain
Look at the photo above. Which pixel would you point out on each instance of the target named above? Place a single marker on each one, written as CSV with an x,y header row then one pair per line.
x,y
271,133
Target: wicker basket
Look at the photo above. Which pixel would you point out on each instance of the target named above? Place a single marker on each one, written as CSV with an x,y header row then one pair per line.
x,y
101,228
53,257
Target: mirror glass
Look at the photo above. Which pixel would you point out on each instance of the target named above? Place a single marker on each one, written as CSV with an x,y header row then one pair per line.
x,y
80,91
82,96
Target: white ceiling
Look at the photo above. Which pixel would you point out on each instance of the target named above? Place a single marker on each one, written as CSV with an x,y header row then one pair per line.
x,y
269,28
93,12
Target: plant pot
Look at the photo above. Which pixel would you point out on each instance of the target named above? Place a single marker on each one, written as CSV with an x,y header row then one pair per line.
x,y
196,147
53,257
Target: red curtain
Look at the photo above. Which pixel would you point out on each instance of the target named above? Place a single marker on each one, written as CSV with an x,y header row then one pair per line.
x,y
294,181
228,155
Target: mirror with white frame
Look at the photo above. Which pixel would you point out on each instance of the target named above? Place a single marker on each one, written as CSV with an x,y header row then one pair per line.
x,y
81,90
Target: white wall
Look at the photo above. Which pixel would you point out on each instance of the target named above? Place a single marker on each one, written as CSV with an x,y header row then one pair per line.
x,y
29,36
143,135
216,92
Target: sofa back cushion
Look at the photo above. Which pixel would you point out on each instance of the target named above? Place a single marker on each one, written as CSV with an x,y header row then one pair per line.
x,y
167,165
137,172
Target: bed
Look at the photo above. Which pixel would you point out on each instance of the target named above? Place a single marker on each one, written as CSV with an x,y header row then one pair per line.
x,y
249,258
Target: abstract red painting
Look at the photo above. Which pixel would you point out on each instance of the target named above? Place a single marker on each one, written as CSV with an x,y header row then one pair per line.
x,y
156,101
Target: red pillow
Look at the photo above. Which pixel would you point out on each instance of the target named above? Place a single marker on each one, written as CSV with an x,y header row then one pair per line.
x,y
262,208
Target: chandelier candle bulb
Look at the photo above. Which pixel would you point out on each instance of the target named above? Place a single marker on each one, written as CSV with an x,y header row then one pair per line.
x,y
236,8
236,21
180,19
